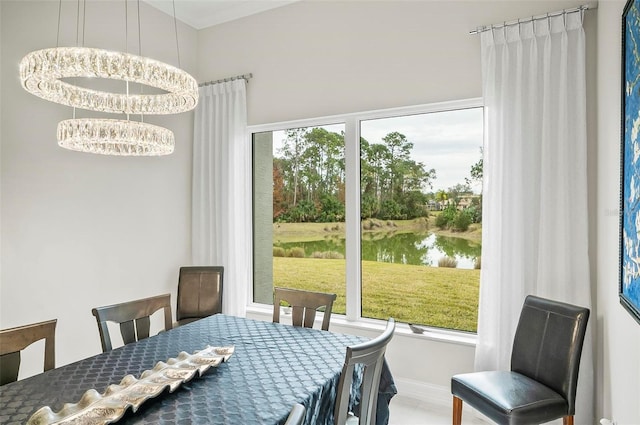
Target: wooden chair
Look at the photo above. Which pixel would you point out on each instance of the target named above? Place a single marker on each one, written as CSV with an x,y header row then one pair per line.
x,y
296,416
370,354
545,358
199,293
133,317
14,340
304,305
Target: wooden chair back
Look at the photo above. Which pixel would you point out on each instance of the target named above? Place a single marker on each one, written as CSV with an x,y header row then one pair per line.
x,y
304,305
133,317
199,293
370,355
14,340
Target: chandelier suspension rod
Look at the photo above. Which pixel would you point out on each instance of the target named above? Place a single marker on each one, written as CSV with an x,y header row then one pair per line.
x,y
77,23
126,26
58,32
84,19
126,42
140,54
175,27
139,36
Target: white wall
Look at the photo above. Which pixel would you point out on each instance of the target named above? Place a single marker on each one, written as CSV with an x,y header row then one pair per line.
x,y
618,372
81,230
313,59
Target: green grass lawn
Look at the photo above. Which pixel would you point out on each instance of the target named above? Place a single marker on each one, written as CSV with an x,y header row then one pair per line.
x,y
441,297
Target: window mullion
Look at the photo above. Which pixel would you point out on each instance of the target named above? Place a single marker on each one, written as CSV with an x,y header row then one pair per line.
x,y
352,207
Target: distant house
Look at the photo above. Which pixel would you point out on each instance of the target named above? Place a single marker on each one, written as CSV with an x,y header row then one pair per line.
x,y
432,205
466,201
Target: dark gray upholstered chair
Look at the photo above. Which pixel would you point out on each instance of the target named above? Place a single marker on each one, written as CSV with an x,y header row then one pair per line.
x,y
199,293
304,305
296,416
541,385
133,317
370,354
14,340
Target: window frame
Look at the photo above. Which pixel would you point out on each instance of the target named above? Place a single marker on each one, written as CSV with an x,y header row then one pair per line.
x,y
353,235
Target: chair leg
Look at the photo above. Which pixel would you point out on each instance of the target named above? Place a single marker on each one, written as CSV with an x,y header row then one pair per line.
x,y
567,420
457,411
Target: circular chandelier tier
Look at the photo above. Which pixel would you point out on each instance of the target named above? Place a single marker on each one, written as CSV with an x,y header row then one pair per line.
x,y
115,137
41,72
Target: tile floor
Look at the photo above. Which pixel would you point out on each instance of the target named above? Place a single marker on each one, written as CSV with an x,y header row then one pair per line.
x,y
409,411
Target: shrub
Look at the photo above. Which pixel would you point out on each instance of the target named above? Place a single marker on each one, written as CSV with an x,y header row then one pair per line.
x,y
304,212
448,262
330,255
334,255
412,204
461,221
278,251
367,206
477,264
296,252
331,209
446,217
370,224
441,221
476,213
390,210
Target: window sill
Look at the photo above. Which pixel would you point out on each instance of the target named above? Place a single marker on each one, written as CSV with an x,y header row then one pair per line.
x,y
265,312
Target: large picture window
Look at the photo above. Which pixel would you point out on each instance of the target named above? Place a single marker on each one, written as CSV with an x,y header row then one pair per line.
x,y
404,241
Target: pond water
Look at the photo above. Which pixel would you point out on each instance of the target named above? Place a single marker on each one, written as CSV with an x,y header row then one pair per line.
x,y
403,248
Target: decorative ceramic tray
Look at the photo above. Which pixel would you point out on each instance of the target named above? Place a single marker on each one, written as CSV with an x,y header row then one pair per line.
x,y
97,409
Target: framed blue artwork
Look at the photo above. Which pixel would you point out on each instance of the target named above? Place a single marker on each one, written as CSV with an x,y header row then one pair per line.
x,y
629,286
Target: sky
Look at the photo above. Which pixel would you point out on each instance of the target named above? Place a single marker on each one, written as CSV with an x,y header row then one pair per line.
x,y
449,141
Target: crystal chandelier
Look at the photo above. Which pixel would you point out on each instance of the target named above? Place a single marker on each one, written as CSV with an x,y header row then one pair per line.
x,y
114,137
46,73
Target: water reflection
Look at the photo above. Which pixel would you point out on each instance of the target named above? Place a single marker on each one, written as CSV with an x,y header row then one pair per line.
x,y
402,248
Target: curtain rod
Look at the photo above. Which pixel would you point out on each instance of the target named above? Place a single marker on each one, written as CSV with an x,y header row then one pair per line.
x,y
246,77
533,18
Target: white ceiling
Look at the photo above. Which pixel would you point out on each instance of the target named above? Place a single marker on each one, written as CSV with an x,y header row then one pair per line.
x,y
201,14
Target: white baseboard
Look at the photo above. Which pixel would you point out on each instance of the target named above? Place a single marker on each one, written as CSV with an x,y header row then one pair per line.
x,y
423,391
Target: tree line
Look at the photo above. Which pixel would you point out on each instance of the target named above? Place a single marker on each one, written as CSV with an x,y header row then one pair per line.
x,y
309,179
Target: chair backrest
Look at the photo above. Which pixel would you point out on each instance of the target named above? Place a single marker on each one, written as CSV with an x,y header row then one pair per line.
x,y
370,354
304,305
133,317
199,293
14,340
548,344
296,416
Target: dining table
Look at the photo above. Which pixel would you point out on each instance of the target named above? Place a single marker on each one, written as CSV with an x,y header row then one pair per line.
x,y
273,366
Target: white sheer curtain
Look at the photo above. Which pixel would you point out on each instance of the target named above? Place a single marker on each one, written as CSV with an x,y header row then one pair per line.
x,y
221,221
535,223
